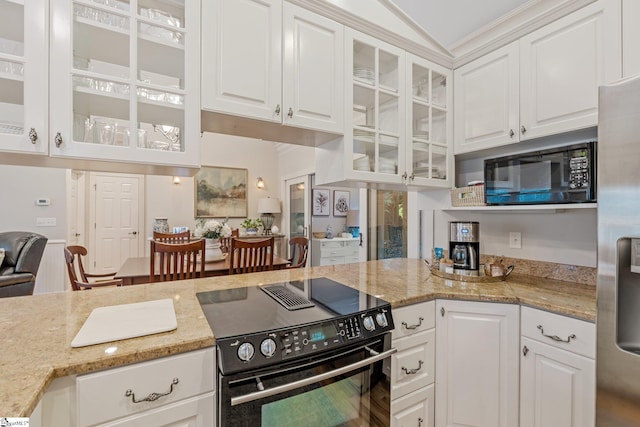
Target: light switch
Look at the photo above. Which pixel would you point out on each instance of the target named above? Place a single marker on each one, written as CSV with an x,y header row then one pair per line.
x,y
46,222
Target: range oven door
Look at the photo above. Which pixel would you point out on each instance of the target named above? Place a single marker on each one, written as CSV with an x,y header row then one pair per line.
x,y
342,388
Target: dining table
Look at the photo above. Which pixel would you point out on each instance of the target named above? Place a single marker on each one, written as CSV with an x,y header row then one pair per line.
x,y
135,270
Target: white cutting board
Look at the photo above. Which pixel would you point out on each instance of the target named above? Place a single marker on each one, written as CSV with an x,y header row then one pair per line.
x,y
119,322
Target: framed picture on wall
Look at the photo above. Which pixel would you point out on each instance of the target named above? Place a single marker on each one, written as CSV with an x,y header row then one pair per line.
x,y
221,192
340,203
321,203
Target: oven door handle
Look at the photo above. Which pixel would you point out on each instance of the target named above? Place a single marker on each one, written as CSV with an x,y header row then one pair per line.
x,y
311,380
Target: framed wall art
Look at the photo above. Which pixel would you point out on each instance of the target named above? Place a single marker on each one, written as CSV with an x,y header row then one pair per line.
x,y
221,192
340,203
321,202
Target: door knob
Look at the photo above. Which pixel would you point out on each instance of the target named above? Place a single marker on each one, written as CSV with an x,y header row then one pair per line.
x,y
134,233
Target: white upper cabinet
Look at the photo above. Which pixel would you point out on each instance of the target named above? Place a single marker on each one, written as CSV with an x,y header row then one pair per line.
x,y
545,83
125,81
630,38
398,127
23,77
313,79
562,65
428,153
242,58
486,101
266,60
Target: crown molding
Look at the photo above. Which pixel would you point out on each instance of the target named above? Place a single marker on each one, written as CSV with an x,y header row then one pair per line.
x,y
519,22
324,8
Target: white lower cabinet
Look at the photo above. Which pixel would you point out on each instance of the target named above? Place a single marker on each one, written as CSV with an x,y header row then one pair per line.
x,y
335,251
172,391
412,368
557,371
477,373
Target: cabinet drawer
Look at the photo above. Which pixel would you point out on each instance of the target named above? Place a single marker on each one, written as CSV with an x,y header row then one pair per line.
x,y
331,244
101,396
577,336
353,244
415,409
332,260
414,318
327,252
413,366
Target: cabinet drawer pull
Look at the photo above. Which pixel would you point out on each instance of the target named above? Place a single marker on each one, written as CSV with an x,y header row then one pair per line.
x,y
33,136
525,350
290,114
511,133
555,337
413,371
153,396
523,129
58,140
420,319
278,110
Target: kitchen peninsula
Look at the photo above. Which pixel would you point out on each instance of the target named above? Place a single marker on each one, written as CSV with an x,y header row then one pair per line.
x,y
36,335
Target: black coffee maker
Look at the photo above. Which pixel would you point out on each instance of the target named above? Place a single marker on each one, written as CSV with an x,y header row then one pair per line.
x,y
464,247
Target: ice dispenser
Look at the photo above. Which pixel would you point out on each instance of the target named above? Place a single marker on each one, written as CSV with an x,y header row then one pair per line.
x,y
628,294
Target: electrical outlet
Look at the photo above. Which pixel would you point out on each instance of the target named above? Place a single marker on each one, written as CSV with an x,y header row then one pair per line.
x,y
515,240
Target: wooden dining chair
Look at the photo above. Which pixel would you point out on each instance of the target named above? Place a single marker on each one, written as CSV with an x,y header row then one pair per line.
x,y
78,277
182,237
249,256
298,250
176,261
225,242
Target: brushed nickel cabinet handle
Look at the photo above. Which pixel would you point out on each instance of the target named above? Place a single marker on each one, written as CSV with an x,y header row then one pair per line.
x,y
420,319
511,133
152,396
523,129
420,421
555,337
278,110
525,350
412,177
413,371
58,140
290,114
442,311
33,136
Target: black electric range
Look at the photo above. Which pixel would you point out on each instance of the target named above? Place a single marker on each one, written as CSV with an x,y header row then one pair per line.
x,y
259,326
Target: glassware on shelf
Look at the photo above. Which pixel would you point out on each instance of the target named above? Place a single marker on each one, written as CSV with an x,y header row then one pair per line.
x,y
104,131
162,33
101,17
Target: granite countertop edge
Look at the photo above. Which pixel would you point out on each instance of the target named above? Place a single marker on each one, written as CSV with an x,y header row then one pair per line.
x,y
401,281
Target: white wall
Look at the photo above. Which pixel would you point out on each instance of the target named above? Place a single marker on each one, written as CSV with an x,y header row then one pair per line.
x,y
176,202
21,186
568,237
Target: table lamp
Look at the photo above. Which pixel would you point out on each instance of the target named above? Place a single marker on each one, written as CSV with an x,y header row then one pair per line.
x,y
267,207
353,223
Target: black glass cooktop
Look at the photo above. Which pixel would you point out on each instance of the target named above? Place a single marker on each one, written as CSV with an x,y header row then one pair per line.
x,y
241,311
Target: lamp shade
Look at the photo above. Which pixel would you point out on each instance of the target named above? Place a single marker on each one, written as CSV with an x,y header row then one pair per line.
x,y
268,205
353,219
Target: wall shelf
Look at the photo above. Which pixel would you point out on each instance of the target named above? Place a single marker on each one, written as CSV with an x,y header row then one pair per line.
x,y
526,208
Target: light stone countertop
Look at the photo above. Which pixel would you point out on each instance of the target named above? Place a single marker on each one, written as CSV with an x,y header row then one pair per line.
x,y
37,330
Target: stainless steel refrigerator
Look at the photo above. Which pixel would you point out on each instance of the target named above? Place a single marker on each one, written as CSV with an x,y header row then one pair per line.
x,y
618,318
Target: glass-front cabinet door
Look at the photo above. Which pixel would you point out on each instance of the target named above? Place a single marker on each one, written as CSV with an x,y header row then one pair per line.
x,y
375,139
125,80
429,125
23,76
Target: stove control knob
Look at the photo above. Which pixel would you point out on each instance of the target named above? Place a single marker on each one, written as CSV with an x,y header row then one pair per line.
x,y
381,319
368,323
268,347
246,351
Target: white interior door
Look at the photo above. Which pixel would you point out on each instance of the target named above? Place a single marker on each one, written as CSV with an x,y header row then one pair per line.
x,y
298,217
77,211
116,212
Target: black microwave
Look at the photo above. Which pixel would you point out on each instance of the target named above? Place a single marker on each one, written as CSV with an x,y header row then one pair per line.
x,y
557,175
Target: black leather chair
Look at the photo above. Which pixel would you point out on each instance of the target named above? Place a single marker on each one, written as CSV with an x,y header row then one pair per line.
x,y
22,255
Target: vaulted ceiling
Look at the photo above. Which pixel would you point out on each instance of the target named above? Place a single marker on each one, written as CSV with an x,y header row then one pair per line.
x,y
449,21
